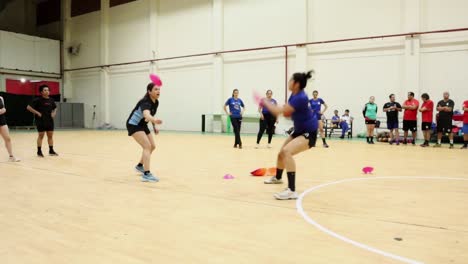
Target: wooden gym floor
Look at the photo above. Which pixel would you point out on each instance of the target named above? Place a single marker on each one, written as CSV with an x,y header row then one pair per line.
x,y
89,206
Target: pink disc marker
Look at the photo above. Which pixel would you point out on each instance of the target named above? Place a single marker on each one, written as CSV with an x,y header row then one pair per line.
x,y
367,170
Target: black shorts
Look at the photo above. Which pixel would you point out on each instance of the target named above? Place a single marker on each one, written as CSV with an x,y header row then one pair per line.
x,y
444,126
43,126
133,129
2,120
370,122
312,137
426,126
411,125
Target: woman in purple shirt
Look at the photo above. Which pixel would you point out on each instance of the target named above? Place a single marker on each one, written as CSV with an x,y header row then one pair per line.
x,y
302,138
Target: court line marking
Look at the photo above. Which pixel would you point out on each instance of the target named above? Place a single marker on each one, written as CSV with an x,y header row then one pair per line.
x,y
308,219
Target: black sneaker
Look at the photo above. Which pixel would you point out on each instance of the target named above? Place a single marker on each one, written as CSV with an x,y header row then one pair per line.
x,y
464,147
404,142
39,154
53,153
451,146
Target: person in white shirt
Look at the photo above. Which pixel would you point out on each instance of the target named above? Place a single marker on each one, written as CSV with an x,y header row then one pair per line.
x,y
345,123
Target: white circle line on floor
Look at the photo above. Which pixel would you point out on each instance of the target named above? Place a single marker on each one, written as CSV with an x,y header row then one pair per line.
x,y
311,221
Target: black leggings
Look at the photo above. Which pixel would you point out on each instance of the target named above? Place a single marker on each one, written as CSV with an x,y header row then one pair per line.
x,y
236,126
268,124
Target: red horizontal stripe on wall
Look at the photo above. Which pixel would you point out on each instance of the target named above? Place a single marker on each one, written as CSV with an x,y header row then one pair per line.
x,y
30,88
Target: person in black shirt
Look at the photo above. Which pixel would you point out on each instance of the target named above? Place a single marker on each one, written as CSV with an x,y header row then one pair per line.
x,y
392,108
444,121
4,132
45,109
137,127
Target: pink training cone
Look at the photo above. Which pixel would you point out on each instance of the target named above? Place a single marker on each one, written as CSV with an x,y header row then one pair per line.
x,y
155,79
228,177
367,170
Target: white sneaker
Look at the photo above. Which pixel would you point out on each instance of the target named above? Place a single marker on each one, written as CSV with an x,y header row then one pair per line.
x,y
257,146
273,180
287,194
13,159
269,146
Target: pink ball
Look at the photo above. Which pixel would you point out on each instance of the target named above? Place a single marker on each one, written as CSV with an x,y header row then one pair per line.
x,y
156,80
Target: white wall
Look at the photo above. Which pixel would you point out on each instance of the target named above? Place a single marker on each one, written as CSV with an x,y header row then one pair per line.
x,y
183,27
85,30
257,23
347,73
87,90
128,32
28,53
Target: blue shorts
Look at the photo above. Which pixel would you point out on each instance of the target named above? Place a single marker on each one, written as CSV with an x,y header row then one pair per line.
x,y
465,129
392,125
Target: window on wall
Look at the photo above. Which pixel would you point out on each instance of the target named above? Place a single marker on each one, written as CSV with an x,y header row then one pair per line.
x,y
48,12
81,7
119,2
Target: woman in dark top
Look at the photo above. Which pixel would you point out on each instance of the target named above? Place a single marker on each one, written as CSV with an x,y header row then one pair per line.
x,y
4,132
137,127
267,120
44,109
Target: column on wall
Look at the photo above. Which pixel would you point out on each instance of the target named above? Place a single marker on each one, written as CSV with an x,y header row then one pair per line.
x,y
104,74
218,62
153,8
411,61
66,14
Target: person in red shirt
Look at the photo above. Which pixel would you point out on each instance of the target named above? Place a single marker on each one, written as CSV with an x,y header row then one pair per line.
x,y
465,125
410,117
427,113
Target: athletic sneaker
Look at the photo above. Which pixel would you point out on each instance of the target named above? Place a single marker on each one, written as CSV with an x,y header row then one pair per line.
x,y
413,142
149,178
287,194
53,153
39,154
451,146
404,142
273,180
13,159
437,145
140,168
325,145
398,143
464,147
424,145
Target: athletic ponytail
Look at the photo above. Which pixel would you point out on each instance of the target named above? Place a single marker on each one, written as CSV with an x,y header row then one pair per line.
x,y
149,88
302,78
